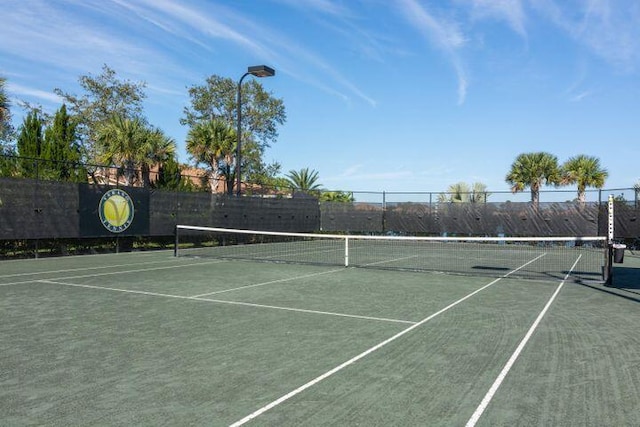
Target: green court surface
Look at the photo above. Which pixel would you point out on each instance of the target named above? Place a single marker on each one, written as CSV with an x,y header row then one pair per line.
x,y
149,339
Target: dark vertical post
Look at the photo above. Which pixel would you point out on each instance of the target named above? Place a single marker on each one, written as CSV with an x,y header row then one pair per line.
x,y
256,71
384,212
175,241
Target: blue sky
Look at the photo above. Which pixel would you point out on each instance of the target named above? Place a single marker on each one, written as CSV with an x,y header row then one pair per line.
x,y
393,95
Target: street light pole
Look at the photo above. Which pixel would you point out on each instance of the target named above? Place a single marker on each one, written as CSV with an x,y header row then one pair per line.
x,y
256,71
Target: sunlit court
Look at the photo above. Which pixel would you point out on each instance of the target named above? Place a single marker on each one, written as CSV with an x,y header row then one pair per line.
x,y
319,213
151,338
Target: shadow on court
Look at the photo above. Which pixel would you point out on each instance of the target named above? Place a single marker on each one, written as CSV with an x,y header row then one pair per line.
x,y
625,283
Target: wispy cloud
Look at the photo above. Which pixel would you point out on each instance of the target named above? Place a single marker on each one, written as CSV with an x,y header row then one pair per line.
x,y
222,23
609,29
79,36
511,11
444,34
19,92
323,6
576,91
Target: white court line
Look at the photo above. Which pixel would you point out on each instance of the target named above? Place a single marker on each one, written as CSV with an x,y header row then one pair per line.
x,y
110,254
2,276
496,384
390,260
109,273
269,283
247,304
369,351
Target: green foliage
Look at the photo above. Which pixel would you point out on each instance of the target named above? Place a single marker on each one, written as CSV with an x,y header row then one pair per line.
x,y
266,176
170,177
217,99
29,144
336,196
213,144
157,148
105,96
461,192
304,180
62,150
119,141
534,170
131,145
8,163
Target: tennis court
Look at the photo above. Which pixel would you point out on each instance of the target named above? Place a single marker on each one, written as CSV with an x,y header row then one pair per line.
x,y
146,338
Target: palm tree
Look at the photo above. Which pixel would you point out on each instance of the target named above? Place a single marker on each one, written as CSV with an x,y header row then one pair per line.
x,y
461,192
213,143
158,149
458,192
534,170
584,171
121,141
479,193
304,180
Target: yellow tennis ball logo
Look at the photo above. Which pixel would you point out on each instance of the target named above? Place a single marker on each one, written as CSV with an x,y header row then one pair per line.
x,y
116,210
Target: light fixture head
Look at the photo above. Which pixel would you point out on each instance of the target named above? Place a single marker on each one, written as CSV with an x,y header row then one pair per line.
x,y
261,71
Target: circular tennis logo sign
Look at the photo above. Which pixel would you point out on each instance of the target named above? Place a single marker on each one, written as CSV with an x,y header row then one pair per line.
x,y
116,210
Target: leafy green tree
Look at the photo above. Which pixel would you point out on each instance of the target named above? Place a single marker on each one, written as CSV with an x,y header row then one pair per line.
x,y
265,177
304,180
157,148
121,142
104,97
169,175
62,150
29,144
216,99
213,144
534,170
585,171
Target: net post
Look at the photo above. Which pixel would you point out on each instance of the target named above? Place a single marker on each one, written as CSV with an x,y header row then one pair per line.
x,y
610,237
346,251
175,241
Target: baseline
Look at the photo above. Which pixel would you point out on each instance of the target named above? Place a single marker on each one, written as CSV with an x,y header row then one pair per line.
x,y
34,273
109,273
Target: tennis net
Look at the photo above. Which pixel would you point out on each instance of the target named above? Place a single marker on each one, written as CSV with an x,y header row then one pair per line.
x,y
583,258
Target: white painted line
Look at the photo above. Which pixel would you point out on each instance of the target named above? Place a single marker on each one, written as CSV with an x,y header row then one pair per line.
x,y
247,304
269,283
110,273
365,353
110,254
496,384
301,310
2,276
